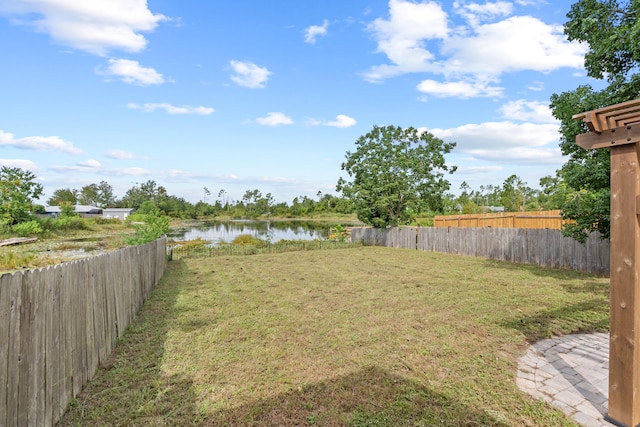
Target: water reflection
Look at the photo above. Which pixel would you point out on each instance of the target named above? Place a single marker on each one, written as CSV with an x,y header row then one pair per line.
x,y
225,231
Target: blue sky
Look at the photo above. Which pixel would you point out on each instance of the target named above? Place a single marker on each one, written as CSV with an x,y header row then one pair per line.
x,y
246,94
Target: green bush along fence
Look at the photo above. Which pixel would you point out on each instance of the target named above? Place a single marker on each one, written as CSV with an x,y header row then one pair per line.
x,y
543,247
58,324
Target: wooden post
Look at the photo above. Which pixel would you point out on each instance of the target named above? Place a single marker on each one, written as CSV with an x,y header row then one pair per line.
x,y
624,359
618,127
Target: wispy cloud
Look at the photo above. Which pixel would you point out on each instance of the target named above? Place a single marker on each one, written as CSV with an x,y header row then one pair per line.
x,y
171,109
96,27
38,143
341,121
506,142
532,111
132,72
248,74
314,31
19,163
120,155
275,119
459,89
96,168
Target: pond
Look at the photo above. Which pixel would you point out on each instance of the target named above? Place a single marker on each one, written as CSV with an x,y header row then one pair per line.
x,y
273,231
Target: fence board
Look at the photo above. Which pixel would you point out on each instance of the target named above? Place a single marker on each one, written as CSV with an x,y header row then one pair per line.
x,y
5,315
91,346
25,348
14,353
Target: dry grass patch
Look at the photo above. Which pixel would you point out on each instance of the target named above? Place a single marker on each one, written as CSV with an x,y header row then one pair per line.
x,y
360,337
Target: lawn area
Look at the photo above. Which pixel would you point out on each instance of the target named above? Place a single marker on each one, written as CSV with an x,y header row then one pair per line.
x,y
366,336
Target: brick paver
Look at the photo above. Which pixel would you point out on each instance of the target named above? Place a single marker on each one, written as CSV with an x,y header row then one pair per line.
x,y
570,372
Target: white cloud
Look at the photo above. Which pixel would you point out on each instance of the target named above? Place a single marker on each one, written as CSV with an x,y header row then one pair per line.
x,y
95,26
470,58
249,75
506,142
536,86
90,163
514,44
275,119
38,143
475,170
120,155
402,37
521,155
534,111
132,72
130,171
341,121
459,89
19,163
314,31
171,109
474,13
499,135
90,167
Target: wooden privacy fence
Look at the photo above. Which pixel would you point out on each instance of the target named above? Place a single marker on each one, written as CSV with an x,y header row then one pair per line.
x,y
533,219
57,324
543,247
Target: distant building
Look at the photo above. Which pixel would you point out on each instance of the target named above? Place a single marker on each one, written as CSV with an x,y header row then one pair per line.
x,y
493,208
79,209
120,213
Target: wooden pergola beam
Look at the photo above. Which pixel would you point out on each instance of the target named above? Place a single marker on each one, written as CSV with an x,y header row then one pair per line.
x,y
626,134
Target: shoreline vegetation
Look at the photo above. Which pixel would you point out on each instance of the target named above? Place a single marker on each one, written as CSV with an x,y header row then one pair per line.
x,y
61,240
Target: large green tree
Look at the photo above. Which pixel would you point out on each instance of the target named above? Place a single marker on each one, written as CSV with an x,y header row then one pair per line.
x,y
395,173
63,195
100,195
18,189
611,30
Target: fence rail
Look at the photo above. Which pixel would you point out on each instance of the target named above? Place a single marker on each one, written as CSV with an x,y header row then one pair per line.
x,y
58,324
534,219
543,247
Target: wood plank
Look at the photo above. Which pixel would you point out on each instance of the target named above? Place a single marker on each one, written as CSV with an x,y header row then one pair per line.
x,y
24,358
55,361
90,333
17,241
624,359
66,329
37,360
5,315
78,327
614,107
14,354
609,138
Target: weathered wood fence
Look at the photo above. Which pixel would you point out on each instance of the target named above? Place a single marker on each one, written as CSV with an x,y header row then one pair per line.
x,y
58,324
543,247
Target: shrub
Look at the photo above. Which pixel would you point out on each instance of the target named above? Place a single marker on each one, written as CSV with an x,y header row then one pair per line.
x,y
70,223
249,240
153,228
27,228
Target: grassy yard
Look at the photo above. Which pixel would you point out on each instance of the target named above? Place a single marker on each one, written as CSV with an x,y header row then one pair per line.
x,y
366,336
